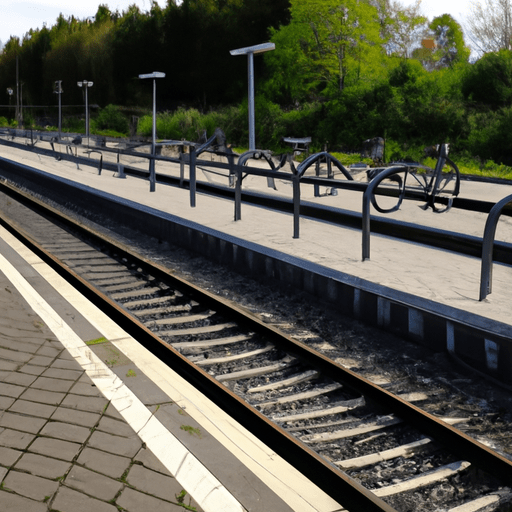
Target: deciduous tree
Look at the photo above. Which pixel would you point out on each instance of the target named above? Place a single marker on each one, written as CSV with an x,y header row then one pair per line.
x,y
489,25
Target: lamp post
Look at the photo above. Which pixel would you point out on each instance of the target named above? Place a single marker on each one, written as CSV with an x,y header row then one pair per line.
x,y
86,84
250,51
58,90
154,76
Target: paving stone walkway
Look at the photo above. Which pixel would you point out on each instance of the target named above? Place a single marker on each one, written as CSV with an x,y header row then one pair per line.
x,y
63,446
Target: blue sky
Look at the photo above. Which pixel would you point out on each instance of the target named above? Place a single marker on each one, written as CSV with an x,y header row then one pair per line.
x,y
18,17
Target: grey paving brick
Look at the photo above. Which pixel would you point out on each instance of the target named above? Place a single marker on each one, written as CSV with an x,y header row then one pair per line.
x,y
6,402
31,369
85,403
43,397
112,426
20,422
125,446
62,373
14,503
86,419
41,360
109,464
49,351
32,408
12,390
14,356
68,500
8,456
57,385
64,450
93,483
156,484
66,431
9,366
86,389
134,501
66,364
41,465
30,486
148,459
3,472
20,346
14,439
112,412
22,379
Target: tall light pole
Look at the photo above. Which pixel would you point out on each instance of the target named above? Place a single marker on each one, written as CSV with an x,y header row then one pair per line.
x,y
86,84
58,90
154,76
250,51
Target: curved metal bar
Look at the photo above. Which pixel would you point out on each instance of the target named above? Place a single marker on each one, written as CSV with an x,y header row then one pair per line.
x,y
310,160
488,244
255,153
369,197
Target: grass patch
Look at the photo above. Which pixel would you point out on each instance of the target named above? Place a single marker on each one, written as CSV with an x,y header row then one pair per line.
x,y
191,430
97,341
131,373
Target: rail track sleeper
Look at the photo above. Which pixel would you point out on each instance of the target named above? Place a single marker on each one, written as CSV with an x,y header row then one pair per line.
x,y
94,276
291,381
199,330
133,304
234,357
405,451
326,437
337,408
305,395
483,504
286,362
211,343
112,288
182,319
135,293
163,310
417,482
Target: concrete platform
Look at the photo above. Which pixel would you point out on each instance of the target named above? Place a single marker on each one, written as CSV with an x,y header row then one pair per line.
x,y
424,294
89,420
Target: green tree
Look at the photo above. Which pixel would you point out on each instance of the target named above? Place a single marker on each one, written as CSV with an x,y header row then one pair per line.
x,y
488,82
332,44
449,38
402,26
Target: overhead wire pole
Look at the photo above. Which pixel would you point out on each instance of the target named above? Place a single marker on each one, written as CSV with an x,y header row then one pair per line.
x,y
250,51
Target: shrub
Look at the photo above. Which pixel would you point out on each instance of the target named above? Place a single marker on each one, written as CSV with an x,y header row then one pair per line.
x,y
111,118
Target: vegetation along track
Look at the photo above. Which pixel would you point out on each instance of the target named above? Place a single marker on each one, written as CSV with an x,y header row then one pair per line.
x,y
366,445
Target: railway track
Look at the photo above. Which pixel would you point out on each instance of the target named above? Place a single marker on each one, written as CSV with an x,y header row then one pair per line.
x,y
369,442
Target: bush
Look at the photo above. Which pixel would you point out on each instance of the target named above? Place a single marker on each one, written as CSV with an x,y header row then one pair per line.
x,y
111,118
3,122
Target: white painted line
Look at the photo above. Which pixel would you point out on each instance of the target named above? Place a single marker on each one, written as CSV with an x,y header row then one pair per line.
x,y
187,469
297,491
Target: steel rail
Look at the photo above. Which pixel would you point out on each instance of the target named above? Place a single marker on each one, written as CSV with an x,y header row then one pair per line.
x,y
335,483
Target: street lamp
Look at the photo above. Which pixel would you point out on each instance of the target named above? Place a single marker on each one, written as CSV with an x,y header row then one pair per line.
x,y
250,51
86,84
58,90
154,76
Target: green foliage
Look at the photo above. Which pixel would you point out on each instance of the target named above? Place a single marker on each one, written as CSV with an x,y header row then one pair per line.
x,y
489,80
3,122
111,118
450,41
